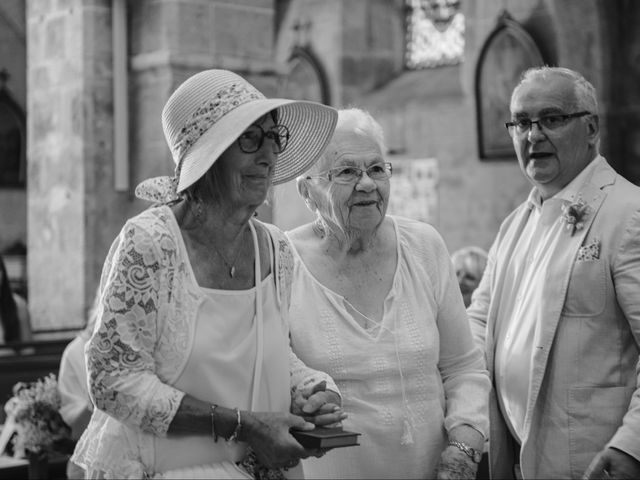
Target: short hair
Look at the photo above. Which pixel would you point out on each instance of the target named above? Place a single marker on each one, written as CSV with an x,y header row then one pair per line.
x,y
472,259
585,92
352,120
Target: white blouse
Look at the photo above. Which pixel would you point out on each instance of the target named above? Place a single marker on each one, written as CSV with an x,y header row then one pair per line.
x,y
405,383
149,325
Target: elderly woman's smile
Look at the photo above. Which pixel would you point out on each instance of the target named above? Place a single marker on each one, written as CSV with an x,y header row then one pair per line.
x,y
364,202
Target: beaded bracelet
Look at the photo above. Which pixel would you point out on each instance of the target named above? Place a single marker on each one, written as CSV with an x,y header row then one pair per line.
x,y
212,411
236,432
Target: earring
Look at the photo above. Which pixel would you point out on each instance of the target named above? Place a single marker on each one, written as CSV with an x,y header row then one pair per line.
x,y
199,209
311,205
195,203
318,227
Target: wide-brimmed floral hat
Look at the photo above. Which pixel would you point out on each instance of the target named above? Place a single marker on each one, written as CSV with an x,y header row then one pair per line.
x,y
211,109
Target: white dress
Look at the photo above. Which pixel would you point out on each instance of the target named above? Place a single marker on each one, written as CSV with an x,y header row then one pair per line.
x,y
404,383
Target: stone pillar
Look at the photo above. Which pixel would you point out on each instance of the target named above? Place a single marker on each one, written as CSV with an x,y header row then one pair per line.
x,y
74,211
69,156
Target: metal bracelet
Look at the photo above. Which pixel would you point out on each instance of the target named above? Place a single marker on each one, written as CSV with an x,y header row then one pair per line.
x,y
472,453
236,432
212,412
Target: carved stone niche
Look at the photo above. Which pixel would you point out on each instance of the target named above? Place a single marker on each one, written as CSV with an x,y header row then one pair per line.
x,y
507,53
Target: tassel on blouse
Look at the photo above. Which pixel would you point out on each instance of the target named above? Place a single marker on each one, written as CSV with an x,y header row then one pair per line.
x,y
407,435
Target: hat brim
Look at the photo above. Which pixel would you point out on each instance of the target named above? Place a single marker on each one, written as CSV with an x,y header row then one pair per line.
x,y
310,125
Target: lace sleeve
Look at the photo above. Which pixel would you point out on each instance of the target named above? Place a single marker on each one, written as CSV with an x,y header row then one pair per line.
x,y
120,355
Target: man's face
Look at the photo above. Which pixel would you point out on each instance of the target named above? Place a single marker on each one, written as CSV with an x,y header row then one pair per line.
x,y
552,158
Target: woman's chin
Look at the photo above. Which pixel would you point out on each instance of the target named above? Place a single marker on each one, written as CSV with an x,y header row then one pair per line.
x,y
365,218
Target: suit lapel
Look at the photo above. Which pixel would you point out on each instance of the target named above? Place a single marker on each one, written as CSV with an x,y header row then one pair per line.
x,y
555,289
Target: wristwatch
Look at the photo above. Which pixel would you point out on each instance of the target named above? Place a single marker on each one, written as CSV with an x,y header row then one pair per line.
x,y
472,453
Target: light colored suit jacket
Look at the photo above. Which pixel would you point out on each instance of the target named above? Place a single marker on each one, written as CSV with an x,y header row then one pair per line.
x,y
584,390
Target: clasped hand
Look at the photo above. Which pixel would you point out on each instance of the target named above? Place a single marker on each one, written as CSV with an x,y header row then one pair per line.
x,y
268,433
318,405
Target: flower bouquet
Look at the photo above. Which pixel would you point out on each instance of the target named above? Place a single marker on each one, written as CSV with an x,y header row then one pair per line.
x,y
34,413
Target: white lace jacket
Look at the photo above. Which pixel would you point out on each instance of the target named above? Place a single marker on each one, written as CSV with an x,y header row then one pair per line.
x,y
144,337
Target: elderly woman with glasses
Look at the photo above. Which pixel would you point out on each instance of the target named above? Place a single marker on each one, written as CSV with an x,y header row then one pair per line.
x,y
189,365
376,304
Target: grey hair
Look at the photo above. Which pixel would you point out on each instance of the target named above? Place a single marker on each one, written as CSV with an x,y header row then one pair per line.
x,y
354,120
585,92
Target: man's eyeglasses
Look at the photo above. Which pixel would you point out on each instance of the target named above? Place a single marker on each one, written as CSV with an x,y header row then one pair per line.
x,y
252,138
351,174
550,122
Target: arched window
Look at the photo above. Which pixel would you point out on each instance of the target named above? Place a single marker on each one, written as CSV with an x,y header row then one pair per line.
x,y
507,53
13,171
435,33
305,79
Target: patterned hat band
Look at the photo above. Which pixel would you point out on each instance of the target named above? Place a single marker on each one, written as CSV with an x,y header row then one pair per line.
x,y
209,113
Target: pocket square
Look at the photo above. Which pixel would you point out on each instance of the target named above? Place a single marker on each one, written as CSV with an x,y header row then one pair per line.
x,y
589,252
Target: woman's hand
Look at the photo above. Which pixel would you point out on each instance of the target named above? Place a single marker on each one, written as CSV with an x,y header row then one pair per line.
x,y
268,435
455,465
319,406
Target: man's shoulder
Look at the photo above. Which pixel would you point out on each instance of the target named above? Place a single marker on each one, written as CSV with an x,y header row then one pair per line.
x,y
622,199
625,188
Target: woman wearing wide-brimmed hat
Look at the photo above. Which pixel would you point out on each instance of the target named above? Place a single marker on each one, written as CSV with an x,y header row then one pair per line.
x,y
189,366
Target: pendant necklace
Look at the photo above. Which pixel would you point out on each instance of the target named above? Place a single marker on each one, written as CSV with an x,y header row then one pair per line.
x,y
231,265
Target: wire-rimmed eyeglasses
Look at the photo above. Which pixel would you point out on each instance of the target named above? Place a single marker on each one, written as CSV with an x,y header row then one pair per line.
x,y
551,122
351,174
252,138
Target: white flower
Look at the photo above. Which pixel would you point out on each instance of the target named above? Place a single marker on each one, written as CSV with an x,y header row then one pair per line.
x,y
574,215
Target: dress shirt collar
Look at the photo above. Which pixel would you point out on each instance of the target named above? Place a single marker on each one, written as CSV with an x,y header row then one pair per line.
x,y
571,191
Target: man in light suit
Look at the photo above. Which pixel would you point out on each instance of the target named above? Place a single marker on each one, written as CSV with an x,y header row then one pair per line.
x,y
558,308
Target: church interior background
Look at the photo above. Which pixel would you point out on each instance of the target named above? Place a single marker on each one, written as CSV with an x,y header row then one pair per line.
x,y
82,84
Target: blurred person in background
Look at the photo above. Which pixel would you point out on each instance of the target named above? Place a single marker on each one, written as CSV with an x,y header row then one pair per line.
x,y
469,264
14,312
75,403
76,406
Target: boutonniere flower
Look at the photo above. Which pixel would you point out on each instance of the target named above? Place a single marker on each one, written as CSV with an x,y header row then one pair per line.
x,y
574,215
